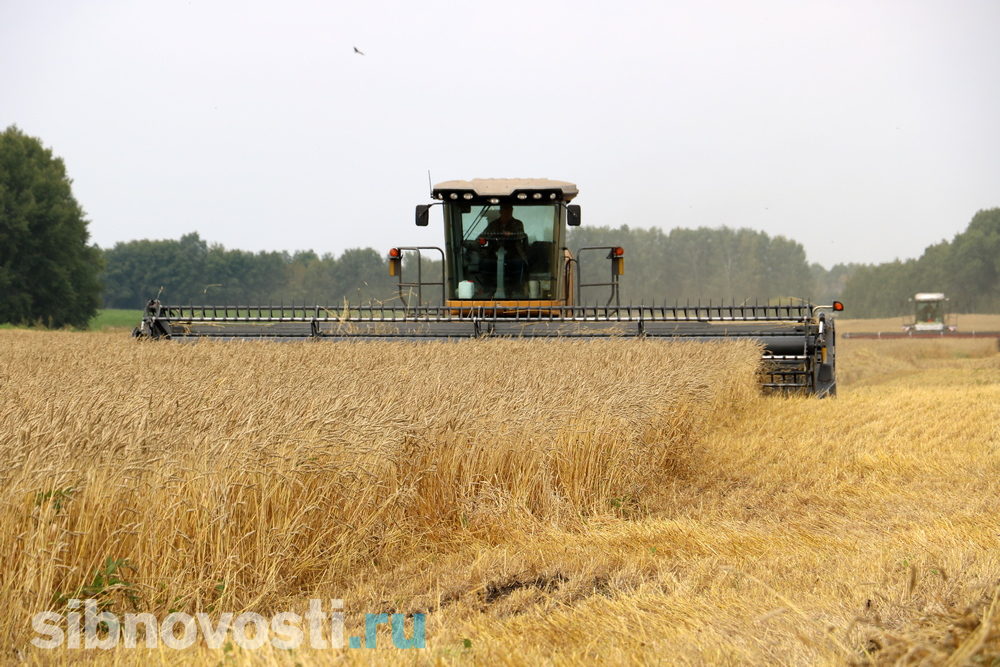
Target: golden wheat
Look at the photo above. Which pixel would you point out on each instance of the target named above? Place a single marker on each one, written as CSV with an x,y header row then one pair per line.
x,y
268,470
541,501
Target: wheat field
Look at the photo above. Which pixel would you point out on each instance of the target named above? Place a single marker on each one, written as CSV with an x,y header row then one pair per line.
x,y
561,502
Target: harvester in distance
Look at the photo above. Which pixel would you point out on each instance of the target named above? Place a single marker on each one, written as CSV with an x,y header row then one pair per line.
x,y
506,271
929,314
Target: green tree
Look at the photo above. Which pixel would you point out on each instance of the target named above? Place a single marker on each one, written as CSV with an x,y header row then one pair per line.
x,y
967,269
48,272
191,271
692,265
830,283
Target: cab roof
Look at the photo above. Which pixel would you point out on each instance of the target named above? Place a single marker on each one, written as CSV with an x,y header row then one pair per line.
x,y
505,187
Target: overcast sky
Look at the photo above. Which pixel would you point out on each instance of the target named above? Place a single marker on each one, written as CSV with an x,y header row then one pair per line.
x,y
865,130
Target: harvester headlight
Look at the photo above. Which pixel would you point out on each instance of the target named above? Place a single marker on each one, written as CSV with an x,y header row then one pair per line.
x,y
522,195
552,195
467,195
454,195
494,200
537,195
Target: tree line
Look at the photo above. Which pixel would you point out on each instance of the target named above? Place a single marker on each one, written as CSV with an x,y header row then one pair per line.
x,y
192,271
681,265
703,264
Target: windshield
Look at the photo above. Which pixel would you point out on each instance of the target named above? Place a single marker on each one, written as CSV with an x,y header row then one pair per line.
x,y
930,311
502,251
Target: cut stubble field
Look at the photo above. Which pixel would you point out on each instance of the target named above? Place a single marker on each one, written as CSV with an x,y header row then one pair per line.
x,y
539,501
964,323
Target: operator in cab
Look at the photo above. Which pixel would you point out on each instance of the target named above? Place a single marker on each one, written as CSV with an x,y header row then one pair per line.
x,y
506,233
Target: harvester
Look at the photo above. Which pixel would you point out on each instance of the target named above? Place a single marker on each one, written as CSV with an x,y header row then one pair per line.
x,y
929,313
505,270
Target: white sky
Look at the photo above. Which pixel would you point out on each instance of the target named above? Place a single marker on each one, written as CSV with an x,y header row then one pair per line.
x,y
866,130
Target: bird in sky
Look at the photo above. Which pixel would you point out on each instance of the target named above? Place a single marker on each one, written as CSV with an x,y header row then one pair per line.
x,y
359,51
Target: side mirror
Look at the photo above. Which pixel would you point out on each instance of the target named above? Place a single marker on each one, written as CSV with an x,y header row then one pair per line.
x,y
573,215
422,217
